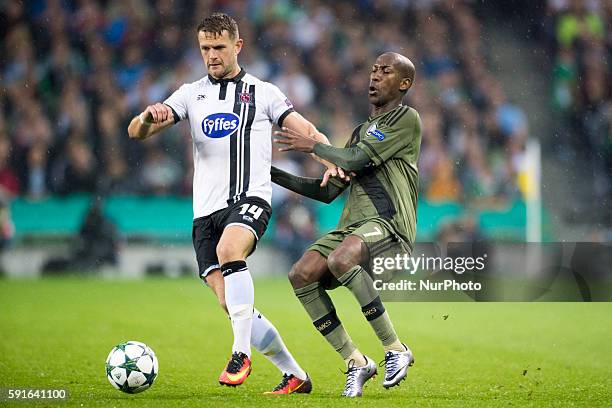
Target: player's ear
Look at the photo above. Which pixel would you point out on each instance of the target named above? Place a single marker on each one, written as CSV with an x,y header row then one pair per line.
x,y
238,45
405,84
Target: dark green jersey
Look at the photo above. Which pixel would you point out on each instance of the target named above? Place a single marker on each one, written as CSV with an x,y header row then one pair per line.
x,y
388,187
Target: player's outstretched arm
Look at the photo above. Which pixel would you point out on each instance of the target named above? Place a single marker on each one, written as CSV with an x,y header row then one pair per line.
x,y
351,158
308,187
303,126
153,119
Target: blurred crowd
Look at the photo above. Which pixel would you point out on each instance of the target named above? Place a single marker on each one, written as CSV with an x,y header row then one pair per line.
x,y
75,72
579,36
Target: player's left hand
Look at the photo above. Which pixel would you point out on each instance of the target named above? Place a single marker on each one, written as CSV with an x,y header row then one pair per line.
x,y
334,171
293,140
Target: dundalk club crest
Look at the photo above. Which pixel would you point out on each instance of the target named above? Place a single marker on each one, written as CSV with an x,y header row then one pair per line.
x,y
246,97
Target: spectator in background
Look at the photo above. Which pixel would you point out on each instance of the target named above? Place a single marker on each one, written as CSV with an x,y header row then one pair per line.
x,y
132,67
37,181
298,87
432,148
63,65
95,245
444,185
9,183
295,226
160,174
463,238
98,241
80,172
7,228
32,126
564,81
12,13
478,180
167,47
286,163
254,63
111,140
73,111
117,180
581,91
510,120
579,25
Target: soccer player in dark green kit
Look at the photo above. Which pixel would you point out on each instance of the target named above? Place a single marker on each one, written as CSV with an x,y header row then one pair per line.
x,y
379,216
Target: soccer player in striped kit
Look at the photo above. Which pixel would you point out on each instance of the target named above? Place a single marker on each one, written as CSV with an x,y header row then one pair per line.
x,y
231,114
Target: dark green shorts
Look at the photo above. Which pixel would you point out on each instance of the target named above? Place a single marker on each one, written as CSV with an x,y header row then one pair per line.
x,y
379,237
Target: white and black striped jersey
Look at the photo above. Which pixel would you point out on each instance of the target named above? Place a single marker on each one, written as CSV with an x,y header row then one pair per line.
x,y
231,123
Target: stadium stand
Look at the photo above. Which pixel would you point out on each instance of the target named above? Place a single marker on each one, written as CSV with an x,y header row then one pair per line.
x,y
578,37
74,73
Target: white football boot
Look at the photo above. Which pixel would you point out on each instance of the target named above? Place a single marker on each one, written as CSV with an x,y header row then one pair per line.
x,y
356,377
396,366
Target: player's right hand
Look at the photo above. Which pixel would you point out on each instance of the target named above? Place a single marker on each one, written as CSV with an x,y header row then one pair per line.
x,y
157,113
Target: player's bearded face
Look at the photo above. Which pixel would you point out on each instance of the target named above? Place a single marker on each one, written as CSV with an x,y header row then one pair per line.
x,y
219,52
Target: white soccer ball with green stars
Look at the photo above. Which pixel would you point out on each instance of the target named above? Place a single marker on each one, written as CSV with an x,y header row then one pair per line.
x,y
131,367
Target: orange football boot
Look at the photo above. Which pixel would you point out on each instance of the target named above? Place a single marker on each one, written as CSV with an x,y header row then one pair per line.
x,y
290,384
237,370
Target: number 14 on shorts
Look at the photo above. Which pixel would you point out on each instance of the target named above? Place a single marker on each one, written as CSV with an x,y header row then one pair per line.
x,y
252,209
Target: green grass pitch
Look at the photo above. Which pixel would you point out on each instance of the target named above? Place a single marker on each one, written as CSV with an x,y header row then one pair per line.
x,y
56,333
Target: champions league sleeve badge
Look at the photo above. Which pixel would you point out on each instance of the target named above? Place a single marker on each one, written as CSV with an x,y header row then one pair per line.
x,y
372,131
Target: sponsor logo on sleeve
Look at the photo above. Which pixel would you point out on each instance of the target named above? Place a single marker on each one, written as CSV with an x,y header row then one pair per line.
x,y
218,125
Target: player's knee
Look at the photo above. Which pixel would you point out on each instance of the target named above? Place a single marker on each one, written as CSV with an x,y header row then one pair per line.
x,y
341,261
227,252
299,275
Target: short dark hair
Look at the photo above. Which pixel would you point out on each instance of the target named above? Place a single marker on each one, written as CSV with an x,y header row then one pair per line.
x,y
217,22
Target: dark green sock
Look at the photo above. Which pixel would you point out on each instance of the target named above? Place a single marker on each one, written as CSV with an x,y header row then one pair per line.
x,y
321,310
359,282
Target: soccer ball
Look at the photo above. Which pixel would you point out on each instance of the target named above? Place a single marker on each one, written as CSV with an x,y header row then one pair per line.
x,y
131,367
